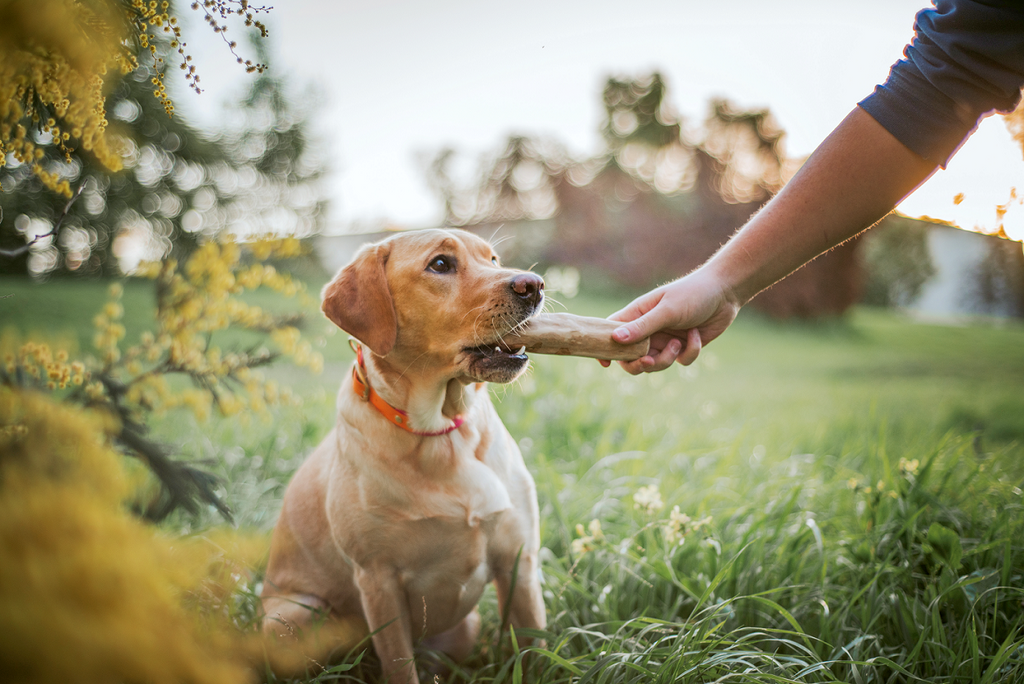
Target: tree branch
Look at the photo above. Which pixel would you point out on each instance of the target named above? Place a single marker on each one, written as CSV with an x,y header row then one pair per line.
x,y
18,251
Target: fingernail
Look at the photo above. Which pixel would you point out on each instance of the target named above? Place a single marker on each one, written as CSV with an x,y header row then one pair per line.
x,y
621,334
676,347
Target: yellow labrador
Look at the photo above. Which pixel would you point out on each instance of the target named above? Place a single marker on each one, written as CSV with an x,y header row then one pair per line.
x,y
419,497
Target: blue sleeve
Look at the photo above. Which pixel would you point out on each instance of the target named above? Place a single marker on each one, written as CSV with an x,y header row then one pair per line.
x,y
966,60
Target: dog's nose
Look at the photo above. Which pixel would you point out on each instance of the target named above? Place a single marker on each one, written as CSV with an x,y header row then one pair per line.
x,y
529,287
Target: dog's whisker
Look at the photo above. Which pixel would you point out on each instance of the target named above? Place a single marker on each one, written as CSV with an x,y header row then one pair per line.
x,y
549,298
518,327
501,240
476,329
472,310
411,364
491,239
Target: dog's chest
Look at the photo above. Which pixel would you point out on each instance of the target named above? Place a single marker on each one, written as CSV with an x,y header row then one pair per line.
x,y
447,485
445,571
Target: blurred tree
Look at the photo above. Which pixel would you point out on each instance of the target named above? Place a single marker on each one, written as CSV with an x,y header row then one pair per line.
x,y
284,196
177,183
653,204
514,184
167,167
636,111
740,158
896,261
998,286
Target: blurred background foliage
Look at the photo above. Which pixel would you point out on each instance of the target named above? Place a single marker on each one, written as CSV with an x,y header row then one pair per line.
x,y
661,195
897,261
654,204
179,183
664,193
1000,277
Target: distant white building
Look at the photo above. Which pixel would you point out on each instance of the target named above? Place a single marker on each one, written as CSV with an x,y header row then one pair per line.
x,y
952,292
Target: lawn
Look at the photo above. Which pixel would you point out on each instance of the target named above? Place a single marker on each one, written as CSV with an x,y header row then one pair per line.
x,y
852,491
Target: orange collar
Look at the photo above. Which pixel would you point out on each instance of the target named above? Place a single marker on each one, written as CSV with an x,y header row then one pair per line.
x,y
395,416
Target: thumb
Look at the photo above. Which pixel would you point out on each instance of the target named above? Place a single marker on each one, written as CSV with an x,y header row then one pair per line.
x,y
641,328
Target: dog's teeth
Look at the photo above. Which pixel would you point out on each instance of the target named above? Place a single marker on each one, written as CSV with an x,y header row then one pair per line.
x,y
497,349
521,349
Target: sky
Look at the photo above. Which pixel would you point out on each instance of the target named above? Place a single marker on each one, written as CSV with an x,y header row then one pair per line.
x,y
398,80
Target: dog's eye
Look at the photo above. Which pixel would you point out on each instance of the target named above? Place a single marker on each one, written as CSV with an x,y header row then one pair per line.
x,y
441,264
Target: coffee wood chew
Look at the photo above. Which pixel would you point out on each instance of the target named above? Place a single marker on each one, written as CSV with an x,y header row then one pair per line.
x,y
564,334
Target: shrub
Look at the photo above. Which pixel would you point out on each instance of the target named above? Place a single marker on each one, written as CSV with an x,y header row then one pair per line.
x,y
897,262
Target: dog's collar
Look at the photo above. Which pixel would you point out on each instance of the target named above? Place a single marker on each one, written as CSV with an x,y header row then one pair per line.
x,y
395,416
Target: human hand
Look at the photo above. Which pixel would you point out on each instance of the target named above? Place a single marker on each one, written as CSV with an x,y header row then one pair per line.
x,y
680,318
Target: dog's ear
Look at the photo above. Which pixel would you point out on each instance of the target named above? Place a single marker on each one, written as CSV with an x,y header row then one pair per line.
x,y
359,302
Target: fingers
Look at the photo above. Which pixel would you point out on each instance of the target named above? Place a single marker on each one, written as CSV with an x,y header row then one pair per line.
x,y
660,359
655,361
692,349
668,318
638,307
640,319
640,328
636,367
666,357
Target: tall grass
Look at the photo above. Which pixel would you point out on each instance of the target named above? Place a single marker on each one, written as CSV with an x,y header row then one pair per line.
x,y
863,479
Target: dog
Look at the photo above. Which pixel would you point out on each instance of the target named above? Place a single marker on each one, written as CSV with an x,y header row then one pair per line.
x,y
419,496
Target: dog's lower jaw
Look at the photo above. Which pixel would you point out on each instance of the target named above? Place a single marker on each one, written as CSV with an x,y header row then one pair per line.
x,y
499,367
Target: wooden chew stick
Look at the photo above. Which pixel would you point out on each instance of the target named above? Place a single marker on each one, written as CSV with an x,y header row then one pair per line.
x,y
565,334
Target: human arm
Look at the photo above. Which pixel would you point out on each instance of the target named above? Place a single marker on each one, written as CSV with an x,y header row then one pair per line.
x,y
855,177
966,61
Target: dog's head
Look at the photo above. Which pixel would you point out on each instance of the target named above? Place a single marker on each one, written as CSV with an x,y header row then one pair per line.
x,y
436,297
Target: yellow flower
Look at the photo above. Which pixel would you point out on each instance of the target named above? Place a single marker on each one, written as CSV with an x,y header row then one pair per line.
x,y
113,310
230,405
148,269
587,542
287,339
909,467
131,624
11,433
95,390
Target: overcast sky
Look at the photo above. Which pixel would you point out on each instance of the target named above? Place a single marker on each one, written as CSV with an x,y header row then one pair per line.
x,y
401,79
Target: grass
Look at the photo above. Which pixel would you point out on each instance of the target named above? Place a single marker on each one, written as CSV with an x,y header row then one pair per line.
x,y
863,479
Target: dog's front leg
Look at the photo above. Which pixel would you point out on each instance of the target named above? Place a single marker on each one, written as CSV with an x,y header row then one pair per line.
x,y
522,603
387,614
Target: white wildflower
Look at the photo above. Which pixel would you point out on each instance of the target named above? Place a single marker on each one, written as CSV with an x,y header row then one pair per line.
x,y
675,528
648,499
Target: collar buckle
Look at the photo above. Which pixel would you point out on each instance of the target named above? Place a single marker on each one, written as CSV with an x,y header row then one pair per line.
x,y
360,368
